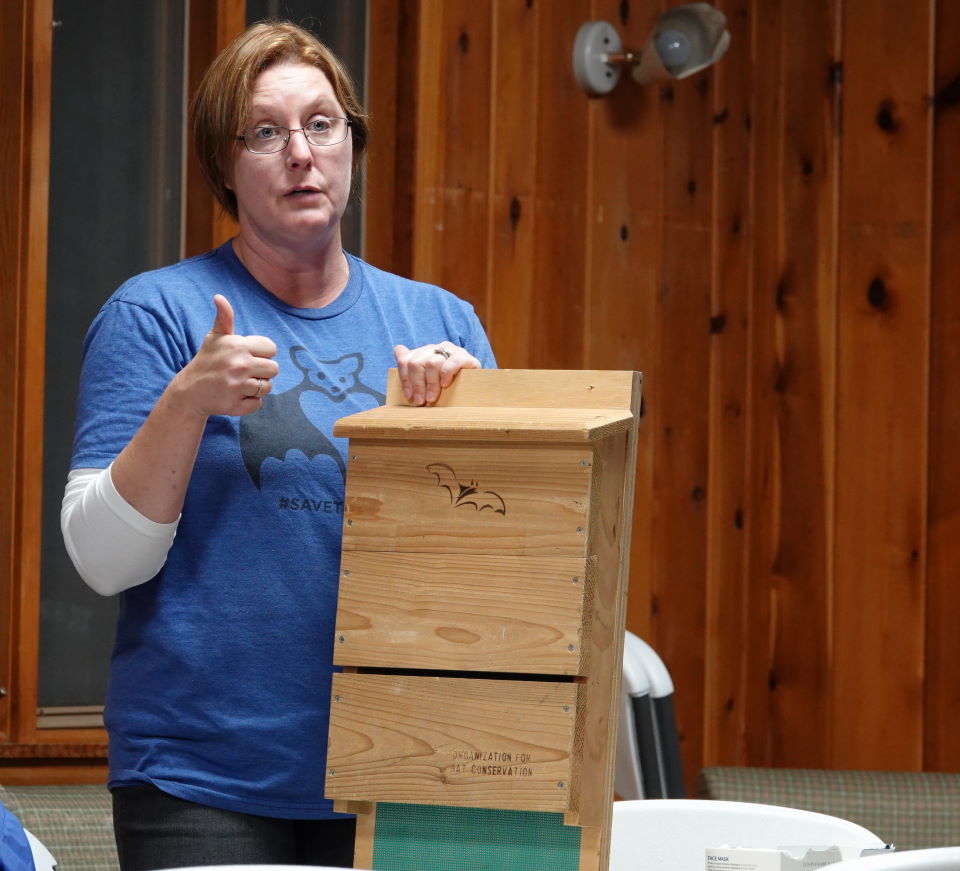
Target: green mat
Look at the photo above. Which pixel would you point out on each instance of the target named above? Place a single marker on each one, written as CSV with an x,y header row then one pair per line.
x,y
416,837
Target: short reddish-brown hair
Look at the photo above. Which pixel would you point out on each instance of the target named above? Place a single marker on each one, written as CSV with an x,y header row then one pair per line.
x,y
218,109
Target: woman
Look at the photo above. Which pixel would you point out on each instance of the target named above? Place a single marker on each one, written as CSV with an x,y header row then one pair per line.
x,y
206,487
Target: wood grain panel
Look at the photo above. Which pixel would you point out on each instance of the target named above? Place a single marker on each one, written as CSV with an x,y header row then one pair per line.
x,y
452,741
430,147
52,775
942,697
26,106
610,544
390,165
562,160
725,628
397,503
452,182
513,199
682,397
12,73
883,357
470,613
212,25
385,83
462,190
366,830
804,385
531,388
487,424
763,118
622,231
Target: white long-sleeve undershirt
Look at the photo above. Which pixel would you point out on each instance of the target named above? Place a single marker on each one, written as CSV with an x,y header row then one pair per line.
x,y
112,545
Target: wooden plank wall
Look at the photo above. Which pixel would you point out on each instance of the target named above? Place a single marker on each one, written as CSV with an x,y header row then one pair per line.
x,y
769,242
24,119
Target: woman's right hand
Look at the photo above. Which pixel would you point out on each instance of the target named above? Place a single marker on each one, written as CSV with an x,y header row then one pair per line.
x,y
230,374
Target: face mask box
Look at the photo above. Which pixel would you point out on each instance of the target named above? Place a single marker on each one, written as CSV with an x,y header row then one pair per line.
x,y
782,859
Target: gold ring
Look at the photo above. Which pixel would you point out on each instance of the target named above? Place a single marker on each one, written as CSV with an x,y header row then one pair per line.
x,y
259,388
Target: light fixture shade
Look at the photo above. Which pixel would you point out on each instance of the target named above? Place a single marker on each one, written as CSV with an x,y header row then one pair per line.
x,y
685,40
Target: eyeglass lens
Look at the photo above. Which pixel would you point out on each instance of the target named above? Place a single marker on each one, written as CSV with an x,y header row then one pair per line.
x,y
267,139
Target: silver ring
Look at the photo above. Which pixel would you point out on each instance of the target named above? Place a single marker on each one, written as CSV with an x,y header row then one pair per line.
x,y
443,352
259,388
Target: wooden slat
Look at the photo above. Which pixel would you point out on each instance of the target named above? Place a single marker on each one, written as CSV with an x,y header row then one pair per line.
x,y
364,840
530,388
452,741
883,358
13,47
453,147
212,25
793,406
27,212
682,397
462,190
805,391
382,104
486,424
622,232
52,775
512,288
392,32
430,143
729,322
67,749
469,613
601,832
763,119
942,695
610,545
528,500
562,161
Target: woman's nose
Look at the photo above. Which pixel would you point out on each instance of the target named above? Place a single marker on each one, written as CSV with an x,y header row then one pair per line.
x,y
298,149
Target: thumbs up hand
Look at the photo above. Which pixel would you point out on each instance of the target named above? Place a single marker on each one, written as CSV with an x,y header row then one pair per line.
x,y
230,374
223,322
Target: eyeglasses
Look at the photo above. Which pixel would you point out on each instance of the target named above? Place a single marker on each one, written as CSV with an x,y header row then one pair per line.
x,y
269,139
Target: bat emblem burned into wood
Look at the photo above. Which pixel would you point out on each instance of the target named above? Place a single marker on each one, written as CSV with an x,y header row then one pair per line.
x,y
466,494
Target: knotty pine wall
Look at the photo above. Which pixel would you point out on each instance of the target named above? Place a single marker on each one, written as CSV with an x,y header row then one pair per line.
x,y
771,243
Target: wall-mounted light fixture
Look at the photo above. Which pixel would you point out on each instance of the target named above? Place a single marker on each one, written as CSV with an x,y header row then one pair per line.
x,y
685,39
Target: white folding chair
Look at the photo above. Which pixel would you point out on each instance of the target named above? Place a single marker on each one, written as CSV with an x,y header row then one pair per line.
x,y
648,746
674,834
934,859
635,717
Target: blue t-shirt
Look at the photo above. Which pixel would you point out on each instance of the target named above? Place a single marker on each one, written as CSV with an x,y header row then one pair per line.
x,y
220,678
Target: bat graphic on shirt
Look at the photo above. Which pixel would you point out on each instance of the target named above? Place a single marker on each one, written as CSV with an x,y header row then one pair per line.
x,y
466,494
281,424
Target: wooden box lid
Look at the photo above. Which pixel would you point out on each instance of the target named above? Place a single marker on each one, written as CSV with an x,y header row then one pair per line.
x,y
505,404
485,424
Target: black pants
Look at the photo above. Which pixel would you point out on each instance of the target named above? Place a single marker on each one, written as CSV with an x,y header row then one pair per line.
x,y
155,830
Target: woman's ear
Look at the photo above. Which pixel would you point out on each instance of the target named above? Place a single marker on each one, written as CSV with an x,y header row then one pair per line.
x,y
226,172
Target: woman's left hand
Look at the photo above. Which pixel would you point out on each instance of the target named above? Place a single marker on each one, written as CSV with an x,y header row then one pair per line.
x,y
425,371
